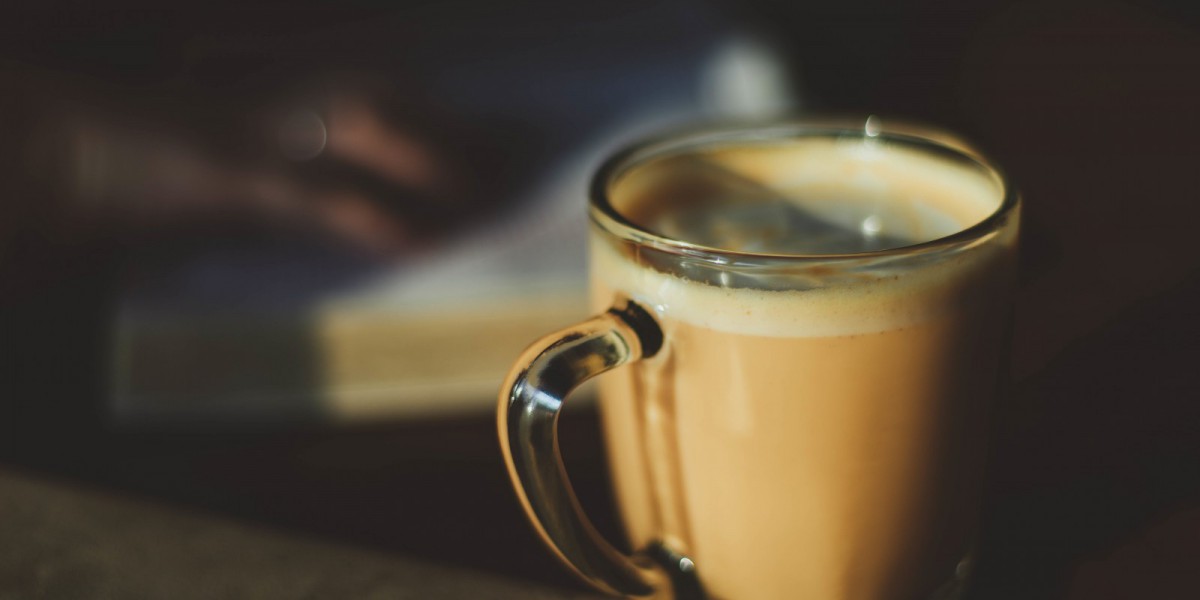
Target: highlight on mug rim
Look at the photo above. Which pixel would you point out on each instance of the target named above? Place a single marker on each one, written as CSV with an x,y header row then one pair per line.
x,y
870,130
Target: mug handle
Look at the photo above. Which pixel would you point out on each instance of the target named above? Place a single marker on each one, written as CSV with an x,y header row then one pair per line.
x,y
527,417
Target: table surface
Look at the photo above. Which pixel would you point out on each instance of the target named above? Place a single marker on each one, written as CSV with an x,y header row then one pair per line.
x,y
64,540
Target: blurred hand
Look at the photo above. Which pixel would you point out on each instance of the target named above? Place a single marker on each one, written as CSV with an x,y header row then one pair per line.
x,y
338,168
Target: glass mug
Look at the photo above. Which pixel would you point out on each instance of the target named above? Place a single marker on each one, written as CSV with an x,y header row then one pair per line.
x,y
805,325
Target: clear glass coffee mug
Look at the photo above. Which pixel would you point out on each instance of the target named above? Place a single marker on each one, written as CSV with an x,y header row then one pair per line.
x,y
802,325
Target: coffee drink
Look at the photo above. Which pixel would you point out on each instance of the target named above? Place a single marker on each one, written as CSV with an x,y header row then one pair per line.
x,y
812,428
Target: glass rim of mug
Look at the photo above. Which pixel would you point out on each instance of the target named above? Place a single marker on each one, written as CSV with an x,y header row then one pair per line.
x,y
608,219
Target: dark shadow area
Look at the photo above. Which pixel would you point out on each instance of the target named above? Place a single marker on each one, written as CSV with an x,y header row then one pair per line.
x,y
433,490
1098,446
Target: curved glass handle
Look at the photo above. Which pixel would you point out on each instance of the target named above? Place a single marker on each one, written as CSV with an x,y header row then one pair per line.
x,y
530,402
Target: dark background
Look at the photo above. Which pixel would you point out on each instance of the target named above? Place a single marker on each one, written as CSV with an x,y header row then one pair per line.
x,y
1091,107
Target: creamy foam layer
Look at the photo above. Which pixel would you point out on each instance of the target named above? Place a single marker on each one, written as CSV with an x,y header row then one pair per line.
x,y
868,306
937,197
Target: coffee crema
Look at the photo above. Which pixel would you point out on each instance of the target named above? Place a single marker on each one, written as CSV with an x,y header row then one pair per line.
x,y
820,437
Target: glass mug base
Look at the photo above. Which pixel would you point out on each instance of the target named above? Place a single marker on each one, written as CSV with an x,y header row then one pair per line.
x,y
801,327
956,587
684,584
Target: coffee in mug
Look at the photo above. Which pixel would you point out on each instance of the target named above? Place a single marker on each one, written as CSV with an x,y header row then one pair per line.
x,y
805,325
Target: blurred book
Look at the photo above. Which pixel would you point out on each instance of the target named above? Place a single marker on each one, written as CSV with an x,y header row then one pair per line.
x,y
432,336
279,330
